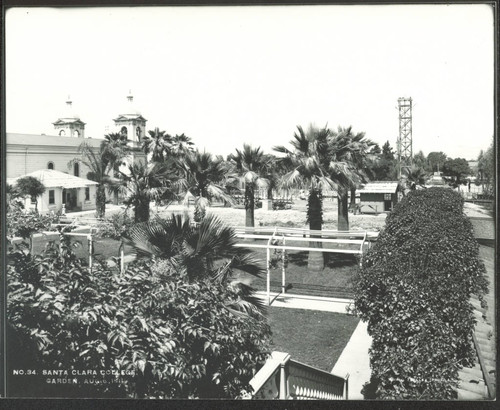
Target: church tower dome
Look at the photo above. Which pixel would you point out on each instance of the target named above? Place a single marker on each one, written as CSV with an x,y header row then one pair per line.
x,y
70,125
131,123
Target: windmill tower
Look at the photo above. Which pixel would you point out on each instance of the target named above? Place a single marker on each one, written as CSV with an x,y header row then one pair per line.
x,y
404,143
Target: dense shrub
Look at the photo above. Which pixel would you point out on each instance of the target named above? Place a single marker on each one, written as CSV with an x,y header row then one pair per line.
x,y
414,290
163,336
115,226
22,224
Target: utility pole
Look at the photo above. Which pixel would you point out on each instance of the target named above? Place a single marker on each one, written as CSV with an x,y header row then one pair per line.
x,y
404,143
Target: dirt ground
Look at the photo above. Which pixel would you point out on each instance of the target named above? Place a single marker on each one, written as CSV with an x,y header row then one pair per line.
x,y
295,217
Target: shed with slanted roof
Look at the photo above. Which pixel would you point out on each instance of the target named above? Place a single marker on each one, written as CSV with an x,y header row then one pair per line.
x,y
379,196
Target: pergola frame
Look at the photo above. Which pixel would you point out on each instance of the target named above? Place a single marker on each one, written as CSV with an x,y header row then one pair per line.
x,y
298,235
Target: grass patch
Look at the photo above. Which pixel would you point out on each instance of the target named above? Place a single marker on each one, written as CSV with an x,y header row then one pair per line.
x,y
312,337
105,248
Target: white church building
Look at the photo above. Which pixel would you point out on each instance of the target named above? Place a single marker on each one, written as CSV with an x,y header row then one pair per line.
x,y
30,154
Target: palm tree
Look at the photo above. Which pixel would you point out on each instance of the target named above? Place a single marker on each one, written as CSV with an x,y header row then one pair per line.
x,y
144,183
366,164
350,155
181,145
415,176
249,163
204,252
158,143
116,147
309,163
203,178
30,186
117,150
99,161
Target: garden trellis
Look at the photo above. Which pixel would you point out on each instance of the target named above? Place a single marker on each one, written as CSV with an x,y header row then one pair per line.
x,y
280,238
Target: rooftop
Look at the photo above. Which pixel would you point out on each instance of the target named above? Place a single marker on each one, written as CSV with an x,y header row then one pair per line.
x,y
49,140
56,179
379,187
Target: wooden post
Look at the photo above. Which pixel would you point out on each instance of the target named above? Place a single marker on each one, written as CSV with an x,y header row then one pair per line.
x,y
89,237
283,359
283,272
122,257
283,382
268,257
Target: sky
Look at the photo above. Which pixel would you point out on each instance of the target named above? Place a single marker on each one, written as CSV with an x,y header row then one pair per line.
x,y
225,76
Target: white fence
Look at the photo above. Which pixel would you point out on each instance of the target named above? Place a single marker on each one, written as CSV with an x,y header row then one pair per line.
x,y
279,238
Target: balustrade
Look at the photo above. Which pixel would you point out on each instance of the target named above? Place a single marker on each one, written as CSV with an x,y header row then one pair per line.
x,y
286,379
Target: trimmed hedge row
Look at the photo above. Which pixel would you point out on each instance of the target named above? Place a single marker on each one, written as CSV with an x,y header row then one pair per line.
x,y
414,290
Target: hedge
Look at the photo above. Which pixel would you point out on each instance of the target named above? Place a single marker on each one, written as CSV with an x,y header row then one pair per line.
x,y
414,289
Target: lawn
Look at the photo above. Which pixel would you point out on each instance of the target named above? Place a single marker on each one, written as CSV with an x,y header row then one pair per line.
x,y
105,248
311,337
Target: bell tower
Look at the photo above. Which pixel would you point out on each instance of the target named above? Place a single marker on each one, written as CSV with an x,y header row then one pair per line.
x,y
70,124
131,123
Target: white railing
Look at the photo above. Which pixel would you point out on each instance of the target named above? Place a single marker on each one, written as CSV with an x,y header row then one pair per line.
x,y
279,239
40,241
304,232
286,379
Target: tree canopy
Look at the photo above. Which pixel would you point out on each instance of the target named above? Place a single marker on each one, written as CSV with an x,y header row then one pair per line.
x,y
30,186
458,169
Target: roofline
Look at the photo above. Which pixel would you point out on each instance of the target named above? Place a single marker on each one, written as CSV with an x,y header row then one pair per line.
x,y
75,120
122,117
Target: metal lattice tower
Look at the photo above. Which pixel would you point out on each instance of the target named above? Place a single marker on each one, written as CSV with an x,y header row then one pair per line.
x,y
404,144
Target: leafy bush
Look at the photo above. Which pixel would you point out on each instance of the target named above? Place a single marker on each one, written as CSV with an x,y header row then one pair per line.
x,y
115,226
22,224
159,335
165,337
414,289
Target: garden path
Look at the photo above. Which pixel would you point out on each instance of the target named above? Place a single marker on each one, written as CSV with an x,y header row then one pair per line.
x,y
355,360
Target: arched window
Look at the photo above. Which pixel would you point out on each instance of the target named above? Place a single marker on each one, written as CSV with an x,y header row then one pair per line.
x,y
62,133
138,132
124,131
76,134
76,169
50,165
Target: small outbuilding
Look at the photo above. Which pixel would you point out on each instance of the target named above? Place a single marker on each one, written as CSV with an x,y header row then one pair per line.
x,y
378,196
63,192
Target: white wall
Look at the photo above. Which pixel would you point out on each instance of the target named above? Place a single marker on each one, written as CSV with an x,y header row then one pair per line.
x,y
22,163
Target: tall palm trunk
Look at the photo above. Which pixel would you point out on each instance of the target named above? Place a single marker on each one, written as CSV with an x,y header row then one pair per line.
x,y
353,196
343,210
115,194
199,208
100,201
141,211
270,192
316,261
250,205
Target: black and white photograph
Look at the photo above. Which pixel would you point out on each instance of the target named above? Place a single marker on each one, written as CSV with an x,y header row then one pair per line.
x,y
250,202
